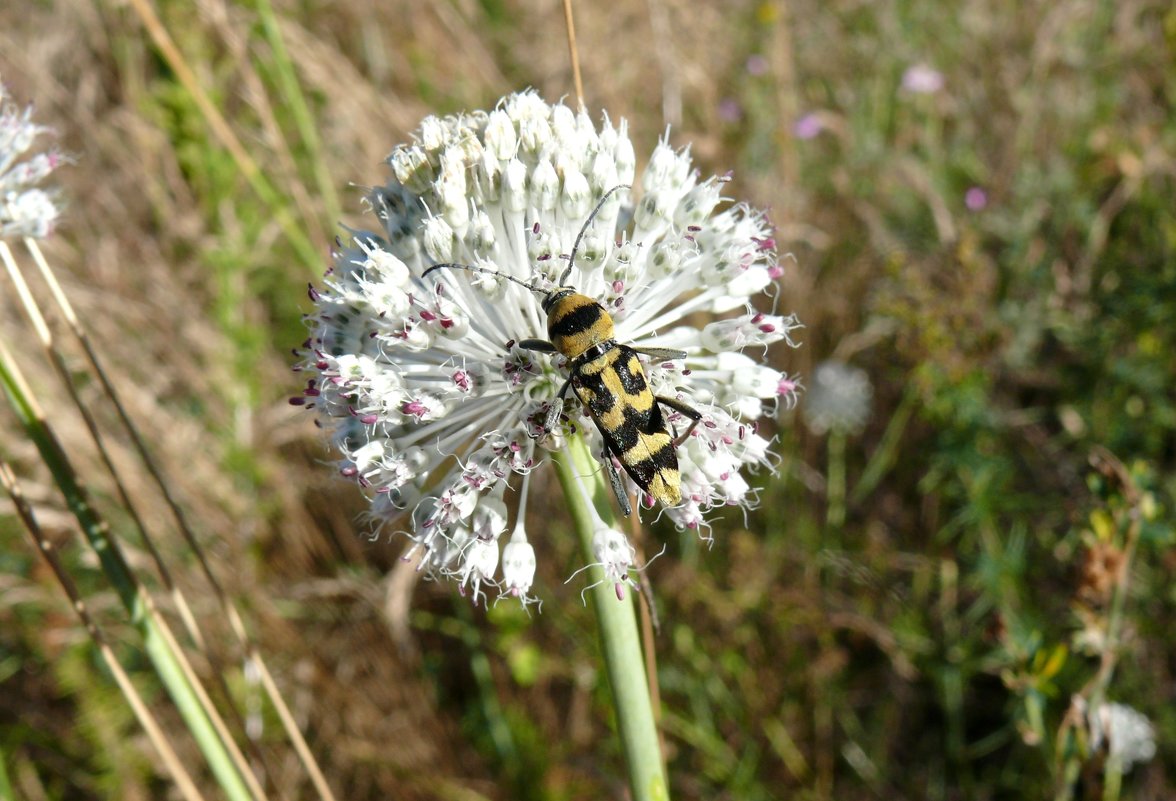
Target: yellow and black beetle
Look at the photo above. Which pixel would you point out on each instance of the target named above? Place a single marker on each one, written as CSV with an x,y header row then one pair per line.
x,y
610,382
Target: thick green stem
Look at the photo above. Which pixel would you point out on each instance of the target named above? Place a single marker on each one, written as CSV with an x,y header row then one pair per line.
x,y
616,618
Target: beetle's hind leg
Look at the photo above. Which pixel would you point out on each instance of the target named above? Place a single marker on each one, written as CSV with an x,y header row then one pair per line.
x,y
614,478
683,408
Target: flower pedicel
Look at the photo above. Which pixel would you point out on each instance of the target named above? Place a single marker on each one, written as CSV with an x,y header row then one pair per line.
x,y
434,405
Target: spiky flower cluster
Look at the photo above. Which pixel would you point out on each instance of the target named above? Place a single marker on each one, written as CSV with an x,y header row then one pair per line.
x,y
433,404
25,210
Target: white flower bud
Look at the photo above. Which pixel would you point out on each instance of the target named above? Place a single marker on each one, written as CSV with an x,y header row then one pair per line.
x,y
649,215
384,386
697,205
748,407
748,377
479,561
488,179
602,175
489,519
514,187
662,170
412,168
369,454
501,137
438,239
614,553
534,131
594,250
576,201
665,259
544,186
481,237
518,566
563,126
745,283
453,190
391,270
625,158
432,134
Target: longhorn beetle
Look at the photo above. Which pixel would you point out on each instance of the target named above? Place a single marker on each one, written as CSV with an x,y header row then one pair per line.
x,y
610,382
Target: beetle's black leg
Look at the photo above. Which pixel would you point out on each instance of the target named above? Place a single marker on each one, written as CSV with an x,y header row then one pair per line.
x,y
662,354
685,409
539,345
614,478
556,408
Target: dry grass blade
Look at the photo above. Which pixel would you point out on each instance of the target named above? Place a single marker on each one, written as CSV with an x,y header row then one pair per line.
x,y
224,134
228,608
168,658
574,52
45,337
170,760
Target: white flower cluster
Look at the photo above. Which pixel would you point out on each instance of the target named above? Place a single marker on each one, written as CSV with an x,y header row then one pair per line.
x,y
430,399
1129,735
25,210
838,400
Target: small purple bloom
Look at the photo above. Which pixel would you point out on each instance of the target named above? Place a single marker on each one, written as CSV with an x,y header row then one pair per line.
x,y
921,79
730,110
975,198
808,126
756,65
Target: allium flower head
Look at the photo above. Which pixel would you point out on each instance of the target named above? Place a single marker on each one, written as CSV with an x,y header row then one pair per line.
x,y
436,408
25,210
839,399
1129,735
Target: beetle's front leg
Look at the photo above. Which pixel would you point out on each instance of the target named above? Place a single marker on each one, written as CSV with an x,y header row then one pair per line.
x,y
553,413
538,345
556,408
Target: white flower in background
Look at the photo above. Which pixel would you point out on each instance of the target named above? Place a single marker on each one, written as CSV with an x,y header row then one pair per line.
x,y
1128,733
838,400
25,210
922,79
435,407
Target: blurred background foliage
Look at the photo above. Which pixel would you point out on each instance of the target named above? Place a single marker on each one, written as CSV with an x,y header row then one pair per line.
x,y
930,599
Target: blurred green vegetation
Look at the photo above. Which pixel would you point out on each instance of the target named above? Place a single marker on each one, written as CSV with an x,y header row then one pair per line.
x,y
996,254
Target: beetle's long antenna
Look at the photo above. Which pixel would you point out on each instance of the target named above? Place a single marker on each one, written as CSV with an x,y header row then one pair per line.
x,y
563,279
495,273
